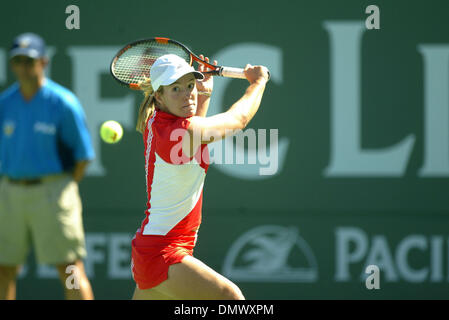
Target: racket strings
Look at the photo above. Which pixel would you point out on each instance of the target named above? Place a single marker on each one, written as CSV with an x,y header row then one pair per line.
x,y
134,65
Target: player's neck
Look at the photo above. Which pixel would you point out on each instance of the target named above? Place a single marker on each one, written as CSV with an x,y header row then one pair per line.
x,y
30,87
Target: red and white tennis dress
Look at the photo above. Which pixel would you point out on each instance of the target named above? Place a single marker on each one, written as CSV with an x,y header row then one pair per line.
x,y
175,192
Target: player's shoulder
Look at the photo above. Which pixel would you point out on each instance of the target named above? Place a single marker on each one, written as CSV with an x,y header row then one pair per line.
x,y
9,92
170,127
167,120
61,94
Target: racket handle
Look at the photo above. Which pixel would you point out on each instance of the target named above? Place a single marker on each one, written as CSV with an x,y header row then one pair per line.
x,y
229,72
237,73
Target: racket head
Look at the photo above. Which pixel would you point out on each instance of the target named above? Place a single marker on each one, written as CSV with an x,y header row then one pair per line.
x,y
132,63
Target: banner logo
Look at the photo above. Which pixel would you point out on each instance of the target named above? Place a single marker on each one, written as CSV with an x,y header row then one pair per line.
x,y
271,254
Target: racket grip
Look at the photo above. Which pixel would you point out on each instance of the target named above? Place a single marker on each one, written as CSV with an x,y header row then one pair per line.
x,y
229,72
237,73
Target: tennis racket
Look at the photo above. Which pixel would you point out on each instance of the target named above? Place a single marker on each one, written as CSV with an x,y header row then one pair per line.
x,y
131,65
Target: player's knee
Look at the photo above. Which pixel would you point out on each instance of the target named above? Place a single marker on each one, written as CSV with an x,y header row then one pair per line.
x,y
232,292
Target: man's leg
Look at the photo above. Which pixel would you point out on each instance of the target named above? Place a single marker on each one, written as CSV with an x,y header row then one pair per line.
x,y
14,239
58,235
78,286
8,275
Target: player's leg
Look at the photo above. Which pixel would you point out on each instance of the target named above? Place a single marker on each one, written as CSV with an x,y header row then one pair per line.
x,y
79,286
192,279
8,275
150,294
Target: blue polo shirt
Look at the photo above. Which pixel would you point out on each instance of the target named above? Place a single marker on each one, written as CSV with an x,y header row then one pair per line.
x,y
43,136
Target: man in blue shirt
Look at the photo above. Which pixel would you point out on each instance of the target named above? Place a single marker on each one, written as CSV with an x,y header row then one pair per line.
x,y
45,148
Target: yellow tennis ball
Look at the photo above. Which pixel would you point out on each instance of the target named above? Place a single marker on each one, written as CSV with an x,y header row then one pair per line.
x,y
111,131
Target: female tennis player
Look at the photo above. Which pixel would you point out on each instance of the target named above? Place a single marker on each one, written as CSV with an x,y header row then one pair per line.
x,y
171,117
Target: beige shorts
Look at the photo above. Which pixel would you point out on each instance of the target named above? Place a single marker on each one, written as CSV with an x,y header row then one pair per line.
x,y
46,214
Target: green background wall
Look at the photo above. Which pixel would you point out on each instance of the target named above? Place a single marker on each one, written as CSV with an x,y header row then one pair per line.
x,y
336,204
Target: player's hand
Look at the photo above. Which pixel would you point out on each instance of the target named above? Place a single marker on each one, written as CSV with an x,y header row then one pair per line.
x,y
256,74
207,84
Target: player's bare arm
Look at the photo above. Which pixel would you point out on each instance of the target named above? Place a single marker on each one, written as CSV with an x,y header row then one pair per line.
x,y
238,116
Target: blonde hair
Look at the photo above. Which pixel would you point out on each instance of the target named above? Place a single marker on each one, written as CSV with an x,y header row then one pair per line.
x,y
147,106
